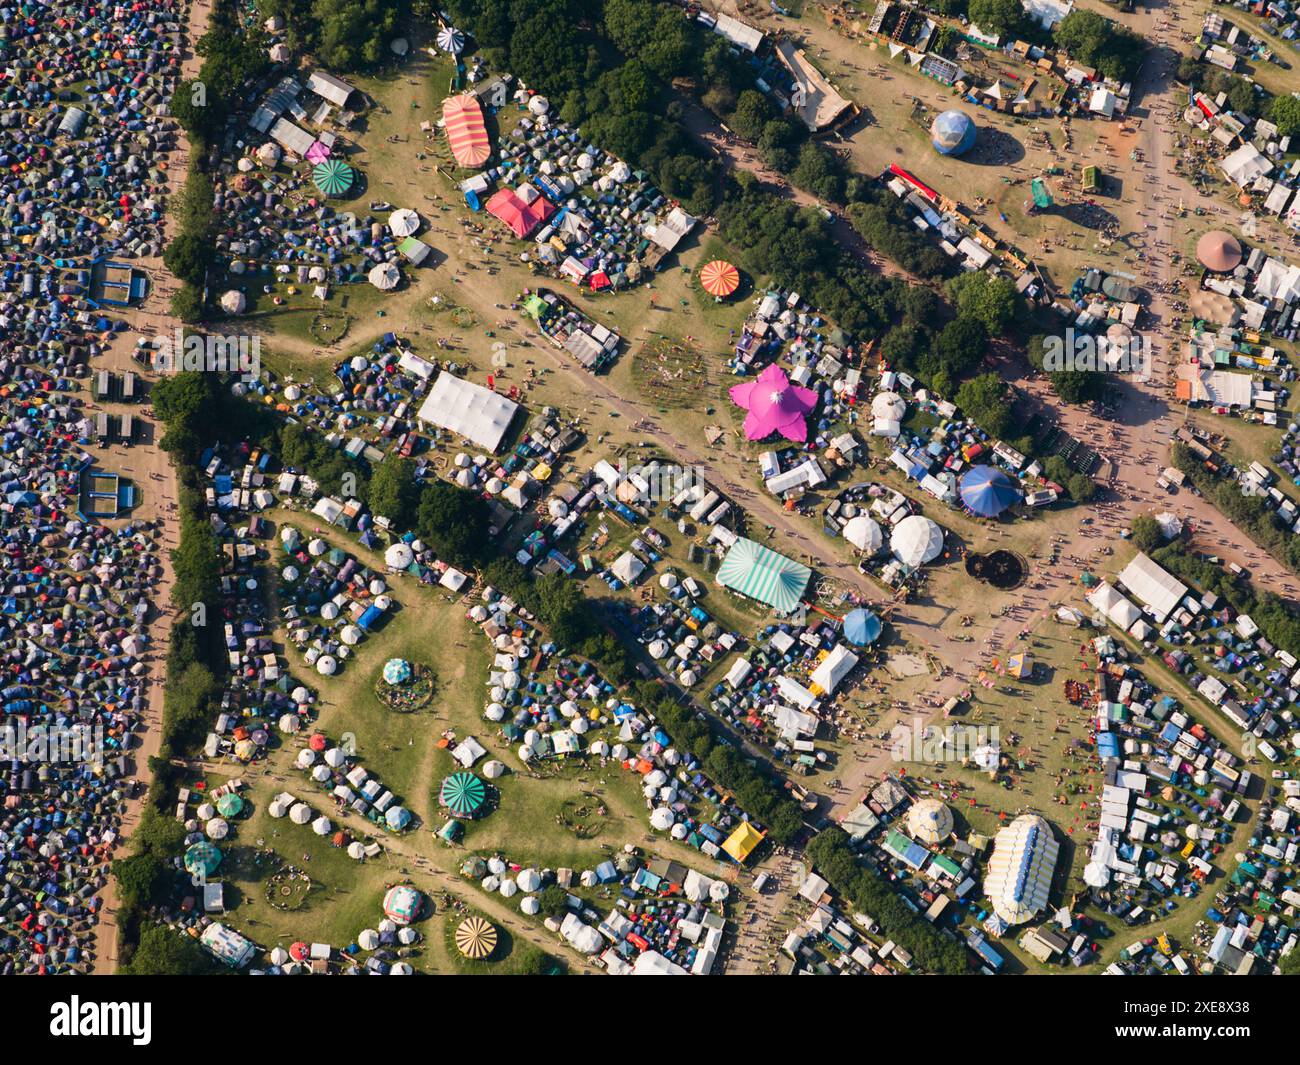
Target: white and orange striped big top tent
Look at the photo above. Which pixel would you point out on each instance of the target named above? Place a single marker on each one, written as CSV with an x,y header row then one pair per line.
x,y
466,133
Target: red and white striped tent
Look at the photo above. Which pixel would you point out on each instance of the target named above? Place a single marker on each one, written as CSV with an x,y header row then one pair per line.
x,y
466,133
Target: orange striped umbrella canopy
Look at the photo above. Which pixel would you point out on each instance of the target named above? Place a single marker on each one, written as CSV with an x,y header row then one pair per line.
x,y
465,130
719,278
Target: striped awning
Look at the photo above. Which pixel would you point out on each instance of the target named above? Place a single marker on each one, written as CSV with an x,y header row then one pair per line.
x,y
466,132
760,573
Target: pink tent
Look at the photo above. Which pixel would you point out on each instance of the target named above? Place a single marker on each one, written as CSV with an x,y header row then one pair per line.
x,y
520,216
774,405
317,153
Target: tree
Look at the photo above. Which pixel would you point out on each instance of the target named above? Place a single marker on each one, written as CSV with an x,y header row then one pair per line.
x,y
453,521
1082,488
1077,386
394,491
162,952
961,343
605,650
186,403
947,40
1093,39
903,344
1284,113
629,23
1081,33
533,961
992,300
553,901
998,17
777,143
543,49
352,34
668,51
720,99
1242,98
158,832
634,86
1146,533
140,878
187,706
983,399
753,112
188,256
187,304
200,109
561,605
1057,470
819,172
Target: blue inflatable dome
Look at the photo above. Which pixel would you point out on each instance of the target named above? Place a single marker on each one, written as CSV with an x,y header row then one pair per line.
x,y
952,133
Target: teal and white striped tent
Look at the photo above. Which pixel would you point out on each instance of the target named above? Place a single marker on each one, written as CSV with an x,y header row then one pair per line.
x,y
760,573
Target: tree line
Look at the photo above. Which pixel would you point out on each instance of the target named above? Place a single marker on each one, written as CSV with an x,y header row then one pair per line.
x,y
862,888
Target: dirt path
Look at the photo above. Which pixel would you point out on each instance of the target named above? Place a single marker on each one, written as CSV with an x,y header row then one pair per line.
x,y
149,466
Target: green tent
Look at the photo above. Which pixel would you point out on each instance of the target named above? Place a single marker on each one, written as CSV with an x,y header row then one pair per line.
x,y
463,794
537,307
333,177
230,805
202,858
760,573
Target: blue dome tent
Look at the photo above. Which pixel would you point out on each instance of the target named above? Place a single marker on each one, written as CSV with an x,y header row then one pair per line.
x,y
861,627
987,491
952,133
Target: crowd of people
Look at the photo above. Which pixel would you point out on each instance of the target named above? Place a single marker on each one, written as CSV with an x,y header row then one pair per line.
x,y
82,179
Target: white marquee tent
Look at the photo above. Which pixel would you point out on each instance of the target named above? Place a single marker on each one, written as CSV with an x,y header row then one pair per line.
x,y
474,412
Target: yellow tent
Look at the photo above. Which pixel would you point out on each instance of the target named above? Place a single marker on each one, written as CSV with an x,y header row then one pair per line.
x,y
741,843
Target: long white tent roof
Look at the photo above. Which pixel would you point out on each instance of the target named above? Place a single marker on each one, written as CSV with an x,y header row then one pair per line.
x,y
1153,585
476,413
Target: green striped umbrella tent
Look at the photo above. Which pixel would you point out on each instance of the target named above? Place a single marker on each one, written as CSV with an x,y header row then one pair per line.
x,y
203,857
333,177
760,573
463,794
230,805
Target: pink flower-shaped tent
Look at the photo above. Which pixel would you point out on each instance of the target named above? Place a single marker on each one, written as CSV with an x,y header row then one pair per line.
x,y
774,405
